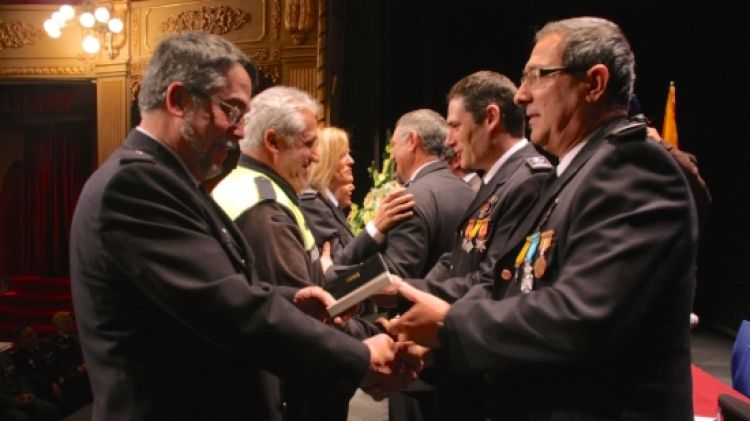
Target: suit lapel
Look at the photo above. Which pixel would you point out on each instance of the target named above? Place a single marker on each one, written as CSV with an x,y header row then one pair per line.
x,y
552,191
337,212
498,180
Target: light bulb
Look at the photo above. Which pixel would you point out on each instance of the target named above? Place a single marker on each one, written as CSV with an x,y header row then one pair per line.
x,y
87,20
91,44
115,25
101,14
52,28
67,11
58,17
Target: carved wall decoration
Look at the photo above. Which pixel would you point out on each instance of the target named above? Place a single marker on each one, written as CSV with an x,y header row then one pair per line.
x,y
270,72
299,18
16,34
259,55
135,30
275,54
212,19
321,93
276,19
135,87
42,71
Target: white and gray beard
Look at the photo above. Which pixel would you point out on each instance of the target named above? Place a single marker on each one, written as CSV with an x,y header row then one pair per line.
x,y
209,169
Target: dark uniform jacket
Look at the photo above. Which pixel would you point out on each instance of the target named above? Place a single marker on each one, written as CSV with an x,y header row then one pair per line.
x,y
273,235
492,216
413,246
328,223
604,332
173,323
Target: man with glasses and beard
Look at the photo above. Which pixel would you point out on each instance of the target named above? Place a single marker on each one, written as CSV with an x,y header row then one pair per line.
x,y
173,321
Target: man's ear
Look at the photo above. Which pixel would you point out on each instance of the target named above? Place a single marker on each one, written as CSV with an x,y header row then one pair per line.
x,y
272,141
176,99
493,117
598,79
412,140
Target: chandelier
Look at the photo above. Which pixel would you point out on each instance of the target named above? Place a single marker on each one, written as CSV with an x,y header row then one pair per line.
x,y
97,22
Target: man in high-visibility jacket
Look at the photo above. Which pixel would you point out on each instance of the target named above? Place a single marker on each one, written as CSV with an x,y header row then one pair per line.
x,y
260,195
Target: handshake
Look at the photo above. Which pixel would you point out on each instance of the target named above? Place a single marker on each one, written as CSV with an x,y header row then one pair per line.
x,y
393,364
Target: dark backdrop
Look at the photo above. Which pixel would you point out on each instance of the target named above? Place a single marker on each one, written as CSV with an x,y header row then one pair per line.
x,y
397,55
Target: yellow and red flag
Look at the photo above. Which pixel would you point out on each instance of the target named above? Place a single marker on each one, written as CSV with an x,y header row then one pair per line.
x,y
669,127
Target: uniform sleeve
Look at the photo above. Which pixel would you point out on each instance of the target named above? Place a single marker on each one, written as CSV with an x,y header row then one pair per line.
x,y
156,231
277,246
406,246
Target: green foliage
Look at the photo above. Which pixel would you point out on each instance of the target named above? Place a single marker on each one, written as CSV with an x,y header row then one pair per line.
x,y
383,181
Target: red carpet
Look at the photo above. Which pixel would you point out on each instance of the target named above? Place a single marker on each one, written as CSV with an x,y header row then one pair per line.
x,y
706,390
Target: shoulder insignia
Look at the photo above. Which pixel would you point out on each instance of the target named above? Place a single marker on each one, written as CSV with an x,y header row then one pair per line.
x,y
629,132
538,163
137,155
308,194
265,188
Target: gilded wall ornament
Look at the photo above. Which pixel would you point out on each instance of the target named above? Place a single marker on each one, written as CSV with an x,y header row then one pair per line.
x,y
41,71
16,34
258,55
299,18
135,87
271,73
212,19
276,19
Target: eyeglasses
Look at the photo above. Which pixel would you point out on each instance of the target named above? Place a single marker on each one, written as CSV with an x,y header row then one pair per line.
x,y
532,76
234,113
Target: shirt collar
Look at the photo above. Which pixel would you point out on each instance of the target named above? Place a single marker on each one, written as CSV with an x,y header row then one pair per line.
x,y
414,174
568,157
503,159
332,197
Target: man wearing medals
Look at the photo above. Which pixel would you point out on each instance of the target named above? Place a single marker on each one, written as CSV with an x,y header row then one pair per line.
x,y
599,330
486,132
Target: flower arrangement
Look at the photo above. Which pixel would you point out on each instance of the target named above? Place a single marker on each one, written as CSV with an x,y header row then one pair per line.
x,y
383,181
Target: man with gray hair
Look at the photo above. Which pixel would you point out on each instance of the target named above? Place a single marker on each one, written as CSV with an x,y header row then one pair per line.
x,y
414,245
596,280
260,195
174,323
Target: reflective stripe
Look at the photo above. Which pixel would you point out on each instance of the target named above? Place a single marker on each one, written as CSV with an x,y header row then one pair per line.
x,y
239,192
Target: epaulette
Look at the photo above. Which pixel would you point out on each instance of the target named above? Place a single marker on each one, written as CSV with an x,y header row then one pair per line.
x,y
629,132
538,163
308,194
137,155
265,188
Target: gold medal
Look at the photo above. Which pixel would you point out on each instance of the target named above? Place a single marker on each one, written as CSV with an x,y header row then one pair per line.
x,y
540,265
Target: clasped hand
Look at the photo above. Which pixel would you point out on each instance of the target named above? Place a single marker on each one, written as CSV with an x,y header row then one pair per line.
x,y
393,365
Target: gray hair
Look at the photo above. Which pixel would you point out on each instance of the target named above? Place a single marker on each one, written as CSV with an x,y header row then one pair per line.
x,y
483,88
278,108
588,41
429,125
199,60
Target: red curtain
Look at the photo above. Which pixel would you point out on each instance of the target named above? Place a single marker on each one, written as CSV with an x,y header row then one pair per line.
x,y
57,161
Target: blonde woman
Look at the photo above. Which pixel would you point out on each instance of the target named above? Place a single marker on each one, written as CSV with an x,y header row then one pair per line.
x,y
323,211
